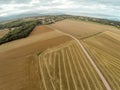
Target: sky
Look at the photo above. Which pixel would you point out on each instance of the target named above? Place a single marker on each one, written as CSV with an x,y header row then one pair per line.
x,y
109,9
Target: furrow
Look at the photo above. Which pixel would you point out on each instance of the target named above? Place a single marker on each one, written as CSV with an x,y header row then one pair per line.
x,y
71,72
79,82
42,75
59,65
48,71
64,66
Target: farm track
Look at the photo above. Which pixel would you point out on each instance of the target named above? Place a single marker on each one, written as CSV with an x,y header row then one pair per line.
x,y
67,68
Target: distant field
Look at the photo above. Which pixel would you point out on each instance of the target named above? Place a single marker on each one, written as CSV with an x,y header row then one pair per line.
x,y
82,29
3,32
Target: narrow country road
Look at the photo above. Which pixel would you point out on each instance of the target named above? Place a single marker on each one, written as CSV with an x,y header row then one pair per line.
x,y
89,58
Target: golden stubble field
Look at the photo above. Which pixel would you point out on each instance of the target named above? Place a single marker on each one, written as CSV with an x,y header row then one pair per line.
x,y
67,68
50,60
82,29
105,50
102,42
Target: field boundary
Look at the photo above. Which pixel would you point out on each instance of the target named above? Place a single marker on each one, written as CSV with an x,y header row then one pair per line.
x,y
88,56
91,36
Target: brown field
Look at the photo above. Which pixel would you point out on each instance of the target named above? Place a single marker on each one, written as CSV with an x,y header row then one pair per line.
x,y
50,60
82,29
3,32
104,47
18,69
41,29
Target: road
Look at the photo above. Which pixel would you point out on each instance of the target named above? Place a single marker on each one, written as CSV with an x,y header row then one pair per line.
x,y
89,58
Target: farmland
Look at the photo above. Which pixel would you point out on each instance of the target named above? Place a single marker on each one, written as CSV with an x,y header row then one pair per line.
x,y
101,42
82,29
18,62
105,51
65,55
67,68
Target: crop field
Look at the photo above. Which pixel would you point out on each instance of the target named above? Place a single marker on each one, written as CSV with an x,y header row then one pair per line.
x,y
87,57
102,43
67,68
106,53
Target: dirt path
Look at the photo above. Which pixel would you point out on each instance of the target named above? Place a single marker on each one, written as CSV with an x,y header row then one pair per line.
x,y
89,58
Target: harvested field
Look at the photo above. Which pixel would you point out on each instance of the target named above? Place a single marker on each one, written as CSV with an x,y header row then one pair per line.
x,y
3,32
82,29
18,69
40,29
51,60
105,51
102,42
66,68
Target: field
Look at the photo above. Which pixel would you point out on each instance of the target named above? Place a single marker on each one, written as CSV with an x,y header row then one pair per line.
x,y
102,42
66,55
18,63
82,29
67,68
105,51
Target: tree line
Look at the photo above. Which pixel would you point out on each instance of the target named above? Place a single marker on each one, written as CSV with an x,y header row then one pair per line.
x,y
21,32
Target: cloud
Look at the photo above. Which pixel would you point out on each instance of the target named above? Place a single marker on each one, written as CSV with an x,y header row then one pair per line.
x,y
77,7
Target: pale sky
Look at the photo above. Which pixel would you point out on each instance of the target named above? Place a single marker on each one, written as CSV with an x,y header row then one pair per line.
x,y
97,8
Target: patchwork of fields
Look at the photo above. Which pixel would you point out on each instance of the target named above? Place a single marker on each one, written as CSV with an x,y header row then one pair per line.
x,y
51,60
102,42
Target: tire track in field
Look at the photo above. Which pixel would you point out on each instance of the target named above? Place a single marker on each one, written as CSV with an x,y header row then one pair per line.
x,y
91,74
66,75
89,58
51,80
96,82
76,69
54,61
83,72
86,71
57,75
60,79
42,75
89,69
71,72
108,75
